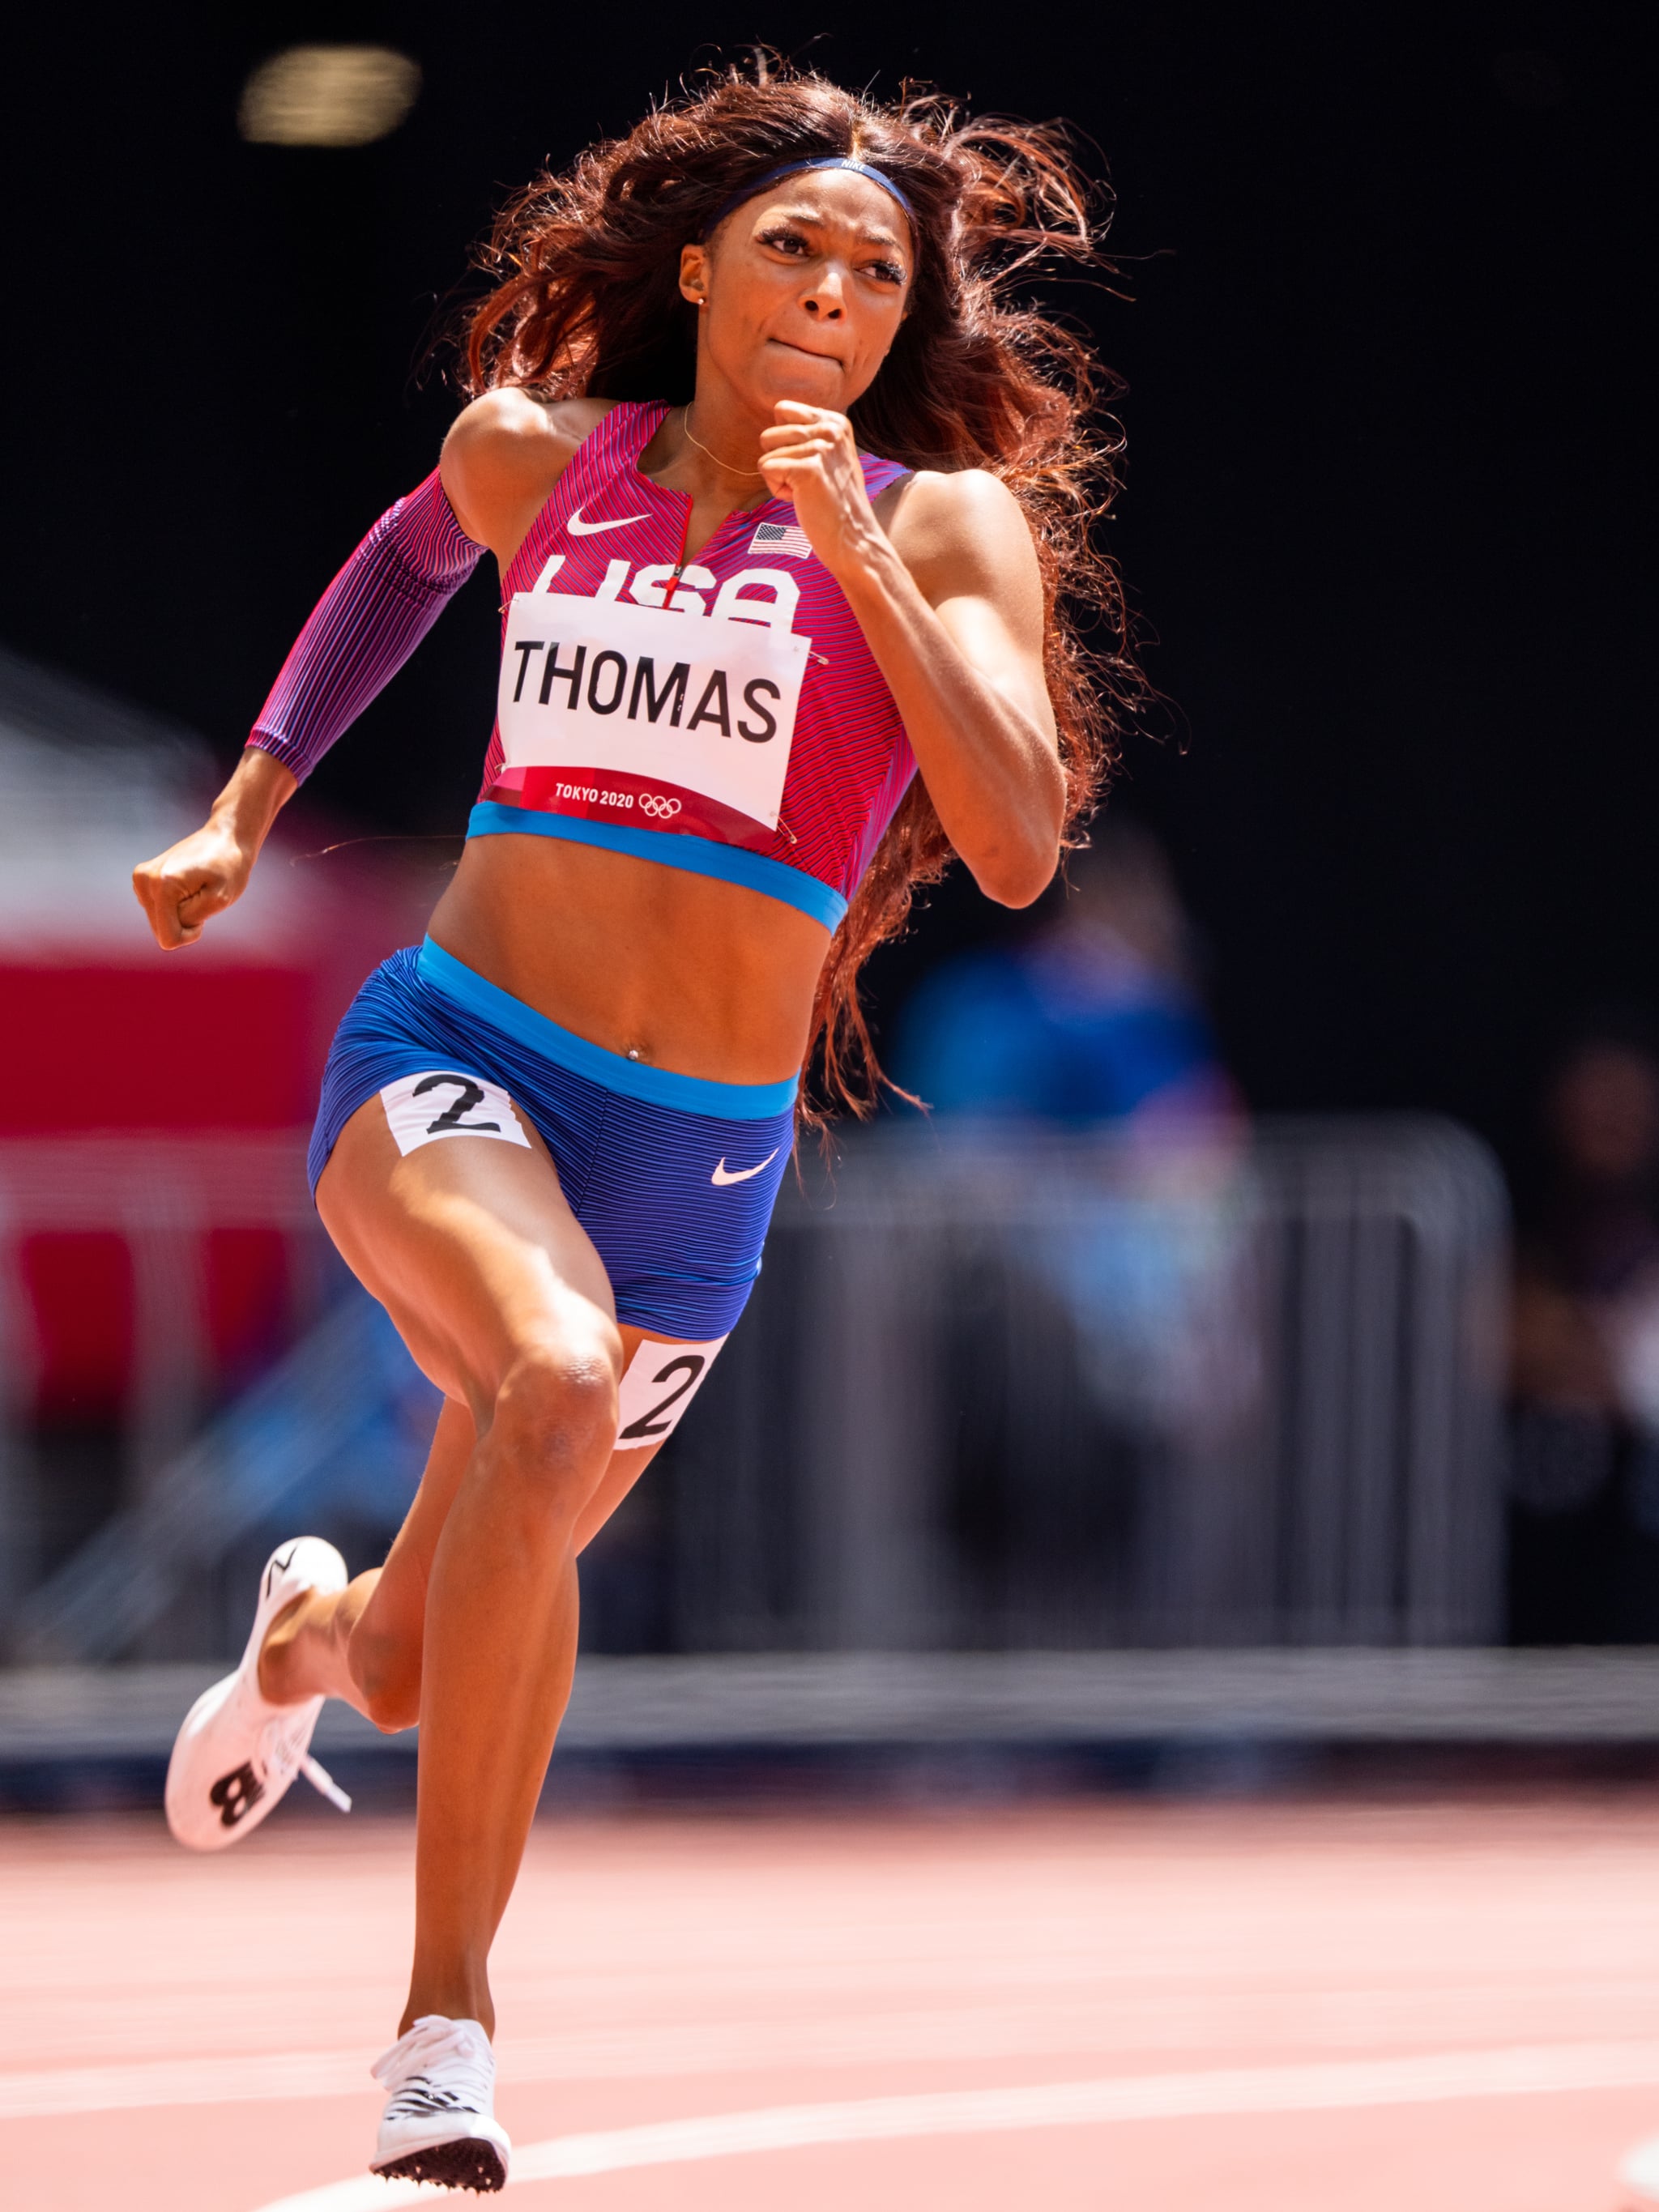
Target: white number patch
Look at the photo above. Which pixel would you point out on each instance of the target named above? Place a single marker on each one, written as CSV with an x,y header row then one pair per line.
x,y
420,1108
660,1382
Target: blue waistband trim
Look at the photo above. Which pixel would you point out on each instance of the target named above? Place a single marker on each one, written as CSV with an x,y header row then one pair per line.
x,y
658,1087
698,856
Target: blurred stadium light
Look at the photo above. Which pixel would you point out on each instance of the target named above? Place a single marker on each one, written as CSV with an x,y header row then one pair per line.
x,y
328,96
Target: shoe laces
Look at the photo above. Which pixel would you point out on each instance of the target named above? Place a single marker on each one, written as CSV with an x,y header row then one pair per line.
x,y
283,1754
440,2062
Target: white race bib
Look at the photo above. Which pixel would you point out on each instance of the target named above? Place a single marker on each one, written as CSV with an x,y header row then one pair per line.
x,y
649,716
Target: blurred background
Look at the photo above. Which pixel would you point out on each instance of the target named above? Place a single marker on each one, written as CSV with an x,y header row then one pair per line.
x,y
1174,1545
1277,1274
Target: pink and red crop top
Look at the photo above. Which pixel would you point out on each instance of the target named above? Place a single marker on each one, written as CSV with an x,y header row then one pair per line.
x,y
625,720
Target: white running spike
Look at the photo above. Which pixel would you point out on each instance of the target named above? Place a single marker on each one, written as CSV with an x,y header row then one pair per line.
x,y
237,1753
439,2121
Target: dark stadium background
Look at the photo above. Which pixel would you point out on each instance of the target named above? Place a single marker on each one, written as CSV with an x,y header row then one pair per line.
x,y
1389,513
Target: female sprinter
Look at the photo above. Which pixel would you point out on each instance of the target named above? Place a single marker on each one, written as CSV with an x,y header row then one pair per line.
x,y
751,673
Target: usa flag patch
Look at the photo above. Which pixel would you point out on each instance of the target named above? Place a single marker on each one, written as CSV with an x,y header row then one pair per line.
x,y
782,538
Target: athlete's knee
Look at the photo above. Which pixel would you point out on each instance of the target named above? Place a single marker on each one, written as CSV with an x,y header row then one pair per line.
x,y
387,1670
554,1423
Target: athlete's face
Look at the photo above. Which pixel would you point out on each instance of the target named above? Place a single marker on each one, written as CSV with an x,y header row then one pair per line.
x,y
801,290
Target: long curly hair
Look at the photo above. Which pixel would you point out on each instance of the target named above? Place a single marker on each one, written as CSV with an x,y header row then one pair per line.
x,y
585,300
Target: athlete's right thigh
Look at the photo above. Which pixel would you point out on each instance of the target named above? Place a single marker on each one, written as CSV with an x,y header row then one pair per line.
x,y
470,1246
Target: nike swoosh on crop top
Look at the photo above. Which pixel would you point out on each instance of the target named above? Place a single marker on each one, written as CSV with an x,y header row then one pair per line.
x,y
609,537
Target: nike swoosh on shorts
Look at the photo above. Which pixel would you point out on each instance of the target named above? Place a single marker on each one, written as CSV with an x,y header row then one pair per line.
x,y
578,528
723,1174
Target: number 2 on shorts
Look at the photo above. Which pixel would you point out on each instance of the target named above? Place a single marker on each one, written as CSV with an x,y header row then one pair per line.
x,y
442,1102
660,1382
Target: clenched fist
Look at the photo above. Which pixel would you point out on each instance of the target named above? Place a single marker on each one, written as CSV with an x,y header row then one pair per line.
x,y
203,874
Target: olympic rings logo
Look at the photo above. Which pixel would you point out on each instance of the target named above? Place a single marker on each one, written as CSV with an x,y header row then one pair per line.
x,y
660,809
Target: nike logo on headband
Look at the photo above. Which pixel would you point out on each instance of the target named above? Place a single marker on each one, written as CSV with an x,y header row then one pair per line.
x,y
578,528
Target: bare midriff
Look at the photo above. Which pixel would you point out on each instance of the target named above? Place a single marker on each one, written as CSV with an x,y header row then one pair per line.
x,y
682,971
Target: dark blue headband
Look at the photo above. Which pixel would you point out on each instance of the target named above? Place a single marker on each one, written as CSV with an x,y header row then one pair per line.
x,y
793,168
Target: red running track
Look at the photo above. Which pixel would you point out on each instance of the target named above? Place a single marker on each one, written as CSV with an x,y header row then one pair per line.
x,y
1283,2009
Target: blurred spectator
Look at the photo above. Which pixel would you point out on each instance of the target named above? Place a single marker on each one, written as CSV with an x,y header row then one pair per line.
x,y
1584,1468
1136,1281
1096,1017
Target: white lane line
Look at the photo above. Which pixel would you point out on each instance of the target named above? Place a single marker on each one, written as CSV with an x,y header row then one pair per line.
x,y
1357,2018
1640,2171
593,2055
241,2079
1360,2019
685,2051
1437,2078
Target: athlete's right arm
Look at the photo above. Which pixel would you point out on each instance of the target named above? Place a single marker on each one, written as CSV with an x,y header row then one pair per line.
x,y
360,632
500,460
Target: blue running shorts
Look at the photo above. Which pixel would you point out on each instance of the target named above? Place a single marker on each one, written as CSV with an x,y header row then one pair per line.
x,y
673,1178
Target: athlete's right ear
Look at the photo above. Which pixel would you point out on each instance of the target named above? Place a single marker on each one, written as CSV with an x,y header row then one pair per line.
x,y
694,275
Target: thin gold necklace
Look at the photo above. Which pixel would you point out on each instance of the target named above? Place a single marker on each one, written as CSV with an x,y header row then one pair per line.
x,y
751,475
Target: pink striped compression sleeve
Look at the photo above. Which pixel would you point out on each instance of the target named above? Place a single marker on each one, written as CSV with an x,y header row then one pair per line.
x,y
365,626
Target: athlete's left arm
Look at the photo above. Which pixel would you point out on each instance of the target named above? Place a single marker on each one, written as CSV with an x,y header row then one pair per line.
x,y
950,601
